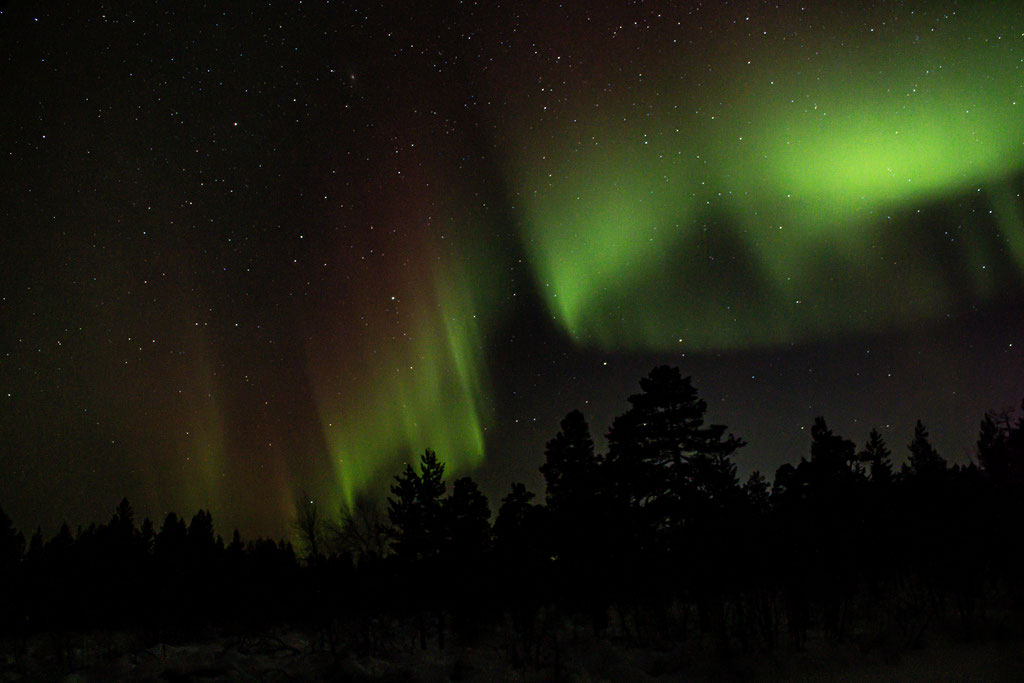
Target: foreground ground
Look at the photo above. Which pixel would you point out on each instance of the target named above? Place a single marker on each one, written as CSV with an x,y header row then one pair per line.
x,y
291,656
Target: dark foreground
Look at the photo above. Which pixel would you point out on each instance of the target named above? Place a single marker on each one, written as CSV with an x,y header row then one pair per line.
x,y
301,656
651,560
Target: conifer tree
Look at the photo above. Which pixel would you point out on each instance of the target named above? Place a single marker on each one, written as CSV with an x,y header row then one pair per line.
x,y
924,460
570,466
877,456
663,459
414,509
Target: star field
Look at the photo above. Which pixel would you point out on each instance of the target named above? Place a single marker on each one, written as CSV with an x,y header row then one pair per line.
x,y
253,250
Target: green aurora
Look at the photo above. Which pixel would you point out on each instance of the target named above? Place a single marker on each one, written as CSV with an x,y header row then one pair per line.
x,y
773,204
760,208
419,362
428,390
236,274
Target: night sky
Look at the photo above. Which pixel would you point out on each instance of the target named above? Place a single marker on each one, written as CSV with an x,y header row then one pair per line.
x,y
251,250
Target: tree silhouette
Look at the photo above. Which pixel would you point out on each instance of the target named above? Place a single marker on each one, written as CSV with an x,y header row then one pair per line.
x,y
123,522
310,527
924,460
880,532
12,545
1001,444
579,524
201,538
876,455
467,523
821,510
524,561
147,536
414,509
670,478
570,467
832,455
363,530
12,542
35,545
171,542
467,527
758,491
653,536
518,525
992,438
663,459
418,533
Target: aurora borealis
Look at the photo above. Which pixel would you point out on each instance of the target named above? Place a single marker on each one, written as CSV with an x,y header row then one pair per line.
x,y
796,157
279,249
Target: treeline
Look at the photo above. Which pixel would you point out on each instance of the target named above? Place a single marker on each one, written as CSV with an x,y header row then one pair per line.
x,y
124,575
653,542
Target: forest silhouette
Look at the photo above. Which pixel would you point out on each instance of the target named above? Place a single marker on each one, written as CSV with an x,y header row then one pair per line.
x,y
653,542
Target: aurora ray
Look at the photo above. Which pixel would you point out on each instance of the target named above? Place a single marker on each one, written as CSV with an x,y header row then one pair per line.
x,y
233,274
756,180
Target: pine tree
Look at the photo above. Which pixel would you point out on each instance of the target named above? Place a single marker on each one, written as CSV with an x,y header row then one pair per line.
x,y
414,509
123,522
757,491
12,541
466,520
924,460
467,541
830,453
877,456
517,526
12,545
570,466
662,458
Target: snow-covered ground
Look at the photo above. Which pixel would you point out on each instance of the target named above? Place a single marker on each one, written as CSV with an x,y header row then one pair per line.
x,y
291,656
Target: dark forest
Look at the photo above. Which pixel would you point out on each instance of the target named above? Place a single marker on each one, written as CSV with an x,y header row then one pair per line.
x,y
654,543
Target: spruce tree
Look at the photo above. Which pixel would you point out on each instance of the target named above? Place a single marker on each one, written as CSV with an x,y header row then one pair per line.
x,y
924,460
877,456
